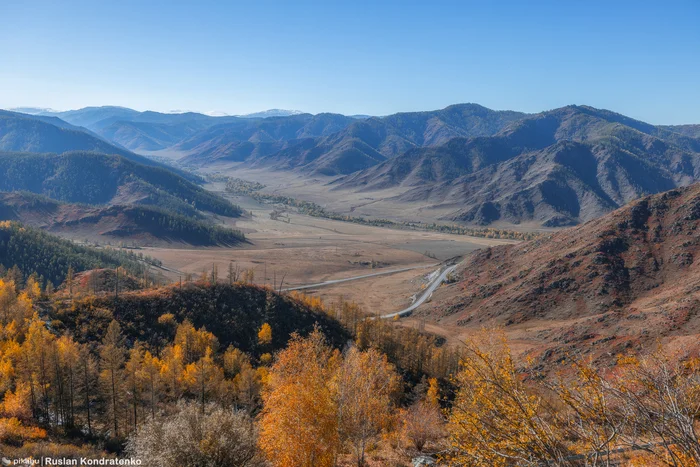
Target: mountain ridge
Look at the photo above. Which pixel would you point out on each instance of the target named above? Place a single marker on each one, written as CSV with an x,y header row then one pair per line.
x,y
560,167
629,279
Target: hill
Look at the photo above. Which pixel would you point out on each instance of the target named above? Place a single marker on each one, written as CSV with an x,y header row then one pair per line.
x,y
144,224
233,312
618,284
558,168
92,178
366,143
35,251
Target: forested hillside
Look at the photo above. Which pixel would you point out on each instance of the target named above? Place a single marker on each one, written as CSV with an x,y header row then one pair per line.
x,y
92,178
118,222
34,251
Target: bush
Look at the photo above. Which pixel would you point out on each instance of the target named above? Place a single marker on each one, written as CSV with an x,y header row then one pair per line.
x,y
191,438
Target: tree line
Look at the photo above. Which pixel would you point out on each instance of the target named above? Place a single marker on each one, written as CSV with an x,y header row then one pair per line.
x,y
252,189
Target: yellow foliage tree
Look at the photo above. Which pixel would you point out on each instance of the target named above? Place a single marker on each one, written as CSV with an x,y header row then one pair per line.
x,y
364,386
495,419
265,334
299,422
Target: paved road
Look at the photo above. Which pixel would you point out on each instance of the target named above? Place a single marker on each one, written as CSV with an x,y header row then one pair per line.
x,y
355,278
426,295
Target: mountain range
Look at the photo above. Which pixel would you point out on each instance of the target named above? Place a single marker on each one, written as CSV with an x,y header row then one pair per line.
x,y
559,167
468,163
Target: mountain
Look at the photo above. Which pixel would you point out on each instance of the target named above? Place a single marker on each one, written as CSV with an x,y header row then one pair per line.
x,y
152,131
33,110
692,131
135,130
559,167
93,178
145,224
368,142
254,138
273,113
49,134
627,281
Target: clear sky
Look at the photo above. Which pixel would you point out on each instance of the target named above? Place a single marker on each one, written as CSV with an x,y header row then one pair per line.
x,y
640,58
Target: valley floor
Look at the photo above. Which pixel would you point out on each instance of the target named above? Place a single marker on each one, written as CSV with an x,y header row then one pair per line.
x,y
303,250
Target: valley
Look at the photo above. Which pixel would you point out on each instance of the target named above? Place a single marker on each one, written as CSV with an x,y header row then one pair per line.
x,y
302,250
205,259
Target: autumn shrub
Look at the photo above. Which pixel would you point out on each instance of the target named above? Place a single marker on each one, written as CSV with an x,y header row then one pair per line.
x,y
218,437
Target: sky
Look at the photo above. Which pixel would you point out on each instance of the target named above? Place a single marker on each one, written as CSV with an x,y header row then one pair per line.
x,y
640,58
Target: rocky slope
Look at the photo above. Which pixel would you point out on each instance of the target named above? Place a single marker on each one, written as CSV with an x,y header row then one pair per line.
x,y
616,284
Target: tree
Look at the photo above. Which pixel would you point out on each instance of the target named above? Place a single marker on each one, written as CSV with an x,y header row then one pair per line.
x,y
150,375
299,423
265,334
111,361
203,378
87,382
190,438
495,419
234,361
364,385
421,424
194,342
69,280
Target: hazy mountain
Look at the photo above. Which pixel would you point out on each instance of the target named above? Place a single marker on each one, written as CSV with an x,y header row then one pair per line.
x,y
33,110
93,178
138,131
245,138
367,142
272,113
88,117
46,134
692,131
628,279
559,168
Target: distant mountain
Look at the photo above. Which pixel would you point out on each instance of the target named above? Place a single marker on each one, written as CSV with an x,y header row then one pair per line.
x,y
692,131
560,167
47,134
138,131
254,138
93,178
272,113
143,223
33,110
628,280
366,143
88,117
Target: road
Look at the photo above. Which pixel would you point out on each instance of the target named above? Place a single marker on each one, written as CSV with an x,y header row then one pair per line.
x,y
355,278
426,295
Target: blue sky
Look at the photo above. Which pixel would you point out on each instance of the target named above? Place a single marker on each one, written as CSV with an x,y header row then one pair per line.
x,y
377,57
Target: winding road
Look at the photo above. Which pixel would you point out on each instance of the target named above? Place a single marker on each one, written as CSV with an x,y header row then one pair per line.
x,y
422,299
355,278
426,295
